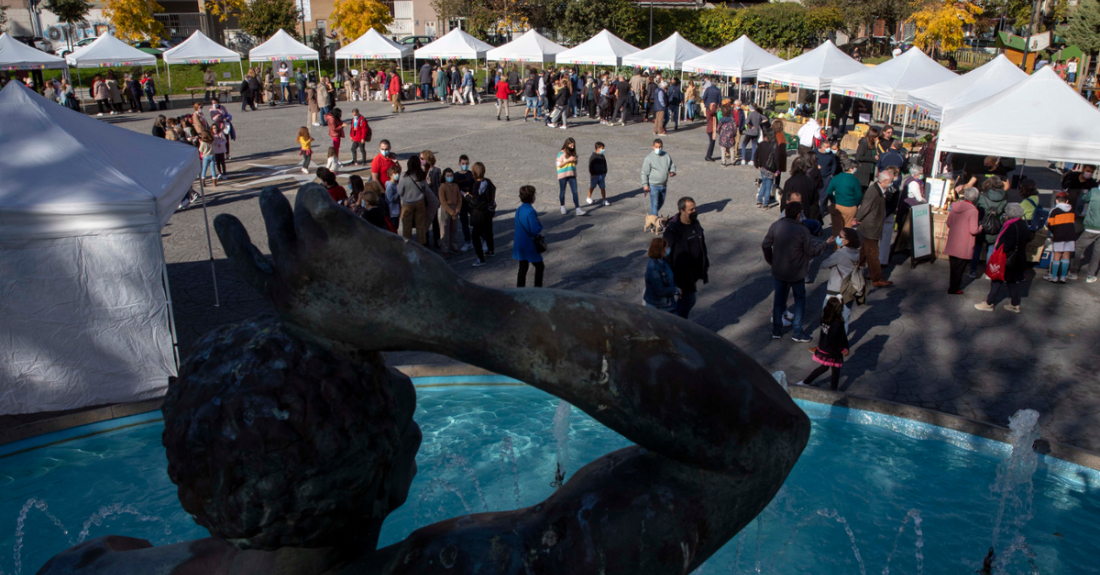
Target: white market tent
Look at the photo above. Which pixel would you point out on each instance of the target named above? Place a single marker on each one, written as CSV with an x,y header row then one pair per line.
x,y
603,49
199,49
15,55
1040,118
814,70
373,46
991,78
282,47
739,59
87,316
530,47
670,53
456,44
110,51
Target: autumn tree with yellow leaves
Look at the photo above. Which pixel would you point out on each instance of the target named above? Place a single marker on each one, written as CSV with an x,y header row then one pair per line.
x,y
940,25
352,18
223,9
133,19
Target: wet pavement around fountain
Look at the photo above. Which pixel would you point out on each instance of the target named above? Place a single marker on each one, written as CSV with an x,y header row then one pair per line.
x,y
912,343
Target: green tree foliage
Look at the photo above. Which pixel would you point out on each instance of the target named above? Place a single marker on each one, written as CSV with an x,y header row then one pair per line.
x,y
862,14
69,12
1084,26
584,19
263,18
3,18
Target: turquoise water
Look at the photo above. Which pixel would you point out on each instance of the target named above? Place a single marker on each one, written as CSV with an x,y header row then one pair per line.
x,y
851,477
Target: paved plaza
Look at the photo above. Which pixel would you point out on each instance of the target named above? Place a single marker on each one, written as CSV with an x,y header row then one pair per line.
x,y
912,343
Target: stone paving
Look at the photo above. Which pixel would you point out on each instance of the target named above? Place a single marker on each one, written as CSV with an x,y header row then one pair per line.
x,y
911,343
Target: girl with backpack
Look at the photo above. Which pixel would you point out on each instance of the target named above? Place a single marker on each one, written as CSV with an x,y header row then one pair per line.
x,y
833,345
728,134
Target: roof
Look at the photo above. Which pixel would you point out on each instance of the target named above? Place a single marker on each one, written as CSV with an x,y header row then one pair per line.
x,y
199,49
67,174
454,44
738,59
15,55
987,80
530,47
1039,118
109,51
814,70
603,49
670,53
373,46
891,81
281,46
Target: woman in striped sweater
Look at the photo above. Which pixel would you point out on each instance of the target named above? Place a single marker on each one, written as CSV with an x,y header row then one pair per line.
x,y
567,175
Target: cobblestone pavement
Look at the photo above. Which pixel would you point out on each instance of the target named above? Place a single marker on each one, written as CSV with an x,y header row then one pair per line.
x,y
911,343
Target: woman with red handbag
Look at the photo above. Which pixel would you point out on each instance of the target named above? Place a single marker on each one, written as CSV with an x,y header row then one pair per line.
x,y
1009,260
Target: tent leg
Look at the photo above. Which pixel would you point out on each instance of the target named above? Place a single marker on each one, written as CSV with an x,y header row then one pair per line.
x,y
80,85
168,72
828,110
171,311
209,244
817,102
905,124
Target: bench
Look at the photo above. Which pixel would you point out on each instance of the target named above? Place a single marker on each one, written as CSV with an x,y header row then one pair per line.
x,y
225,93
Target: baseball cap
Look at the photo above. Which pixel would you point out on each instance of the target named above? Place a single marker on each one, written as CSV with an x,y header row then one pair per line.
x,y
1062,194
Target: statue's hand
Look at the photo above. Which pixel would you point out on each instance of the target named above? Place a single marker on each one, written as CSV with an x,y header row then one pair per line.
x,y
336,275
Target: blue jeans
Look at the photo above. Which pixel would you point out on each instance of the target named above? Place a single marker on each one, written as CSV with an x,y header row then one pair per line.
x,y
779,306
683,307
149,96
599,181
690,109
301,94
208,162
426,91
764,196
674,114
656,199
542,110
745,141
284,91
324,112
572,186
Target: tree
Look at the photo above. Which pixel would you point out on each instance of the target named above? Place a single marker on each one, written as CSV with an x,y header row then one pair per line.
x,y
69,12
1084,26
584,19
941,25
860,15
133,19
3,18
263,18
354,17
223,9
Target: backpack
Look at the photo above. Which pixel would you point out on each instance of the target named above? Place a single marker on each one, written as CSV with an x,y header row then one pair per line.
x,y
772,163
992,222
854,288
1038,217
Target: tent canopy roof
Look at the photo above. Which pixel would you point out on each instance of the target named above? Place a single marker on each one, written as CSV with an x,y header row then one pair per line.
x,y
985,81
15,55
199,49
891,81
66,174
670,53
108,50
373,46
454,44
1040,118
740,59
814,70
603,49
530,47
281,46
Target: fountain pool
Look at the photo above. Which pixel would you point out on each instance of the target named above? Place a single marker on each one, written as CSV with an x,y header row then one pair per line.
x,y
871,493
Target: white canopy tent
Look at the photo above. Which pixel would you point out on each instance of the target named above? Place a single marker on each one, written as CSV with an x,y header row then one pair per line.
x,y
987,80
282,47
15,55
456,44
87,316
603,49
108,51
815,70
891,81
670,53
199,49
374,46
530,47
1040,118
739,59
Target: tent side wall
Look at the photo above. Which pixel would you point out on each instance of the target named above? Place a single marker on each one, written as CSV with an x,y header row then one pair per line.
x,y
86,322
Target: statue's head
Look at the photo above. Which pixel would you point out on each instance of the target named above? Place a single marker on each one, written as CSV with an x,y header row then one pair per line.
x,y
275,441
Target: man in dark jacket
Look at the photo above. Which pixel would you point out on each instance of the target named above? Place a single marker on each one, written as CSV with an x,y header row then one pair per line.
x,y
712,95
660,107
788,249
687,254
870,218
622,100
426,82
675,98
1076,183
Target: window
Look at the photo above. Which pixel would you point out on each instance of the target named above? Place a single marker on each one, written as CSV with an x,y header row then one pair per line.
x,y
403,10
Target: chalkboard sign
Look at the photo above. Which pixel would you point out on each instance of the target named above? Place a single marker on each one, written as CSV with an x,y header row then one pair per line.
x,y
915,236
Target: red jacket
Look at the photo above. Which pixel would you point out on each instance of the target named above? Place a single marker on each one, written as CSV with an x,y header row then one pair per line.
x,y
395,85
358,129
503,91
335,129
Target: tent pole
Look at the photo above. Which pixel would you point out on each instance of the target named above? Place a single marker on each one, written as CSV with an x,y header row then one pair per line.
x,y
905,124
168,72
80,84
829,109
817,102
171,311
209,244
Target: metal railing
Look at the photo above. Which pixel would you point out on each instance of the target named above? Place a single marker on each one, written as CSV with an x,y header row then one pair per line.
x,y
973,56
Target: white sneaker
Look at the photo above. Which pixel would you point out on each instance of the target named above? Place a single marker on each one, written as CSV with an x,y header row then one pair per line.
x,y
752,165
1050,278
564,211
580,212
305,171
1072,276
589,200
564,127
316,124
606,203
1090,279
99,115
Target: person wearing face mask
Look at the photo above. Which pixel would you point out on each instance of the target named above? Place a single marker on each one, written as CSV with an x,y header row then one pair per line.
x,y
381,164
567,175
657,168
450,200
1063,233
687,255
840,265
464,179
1076,183
597,169
660,287
788,248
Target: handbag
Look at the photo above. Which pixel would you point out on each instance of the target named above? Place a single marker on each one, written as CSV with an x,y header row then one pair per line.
x,y
539,241
995,267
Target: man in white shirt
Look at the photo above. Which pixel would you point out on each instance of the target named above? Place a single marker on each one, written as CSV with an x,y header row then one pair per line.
x,y
897,51
284,82
806,135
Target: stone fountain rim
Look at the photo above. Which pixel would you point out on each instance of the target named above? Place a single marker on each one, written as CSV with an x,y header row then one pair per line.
x,y
69,426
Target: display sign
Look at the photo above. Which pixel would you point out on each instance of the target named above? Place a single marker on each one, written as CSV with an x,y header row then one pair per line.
x,y
937,191
922,230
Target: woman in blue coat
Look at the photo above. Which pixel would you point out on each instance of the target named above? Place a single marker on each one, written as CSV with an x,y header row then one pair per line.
x,y
660,290
527,229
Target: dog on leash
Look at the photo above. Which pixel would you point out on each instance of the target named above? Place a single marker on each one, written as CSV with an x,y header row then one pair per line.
x,y
655,224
